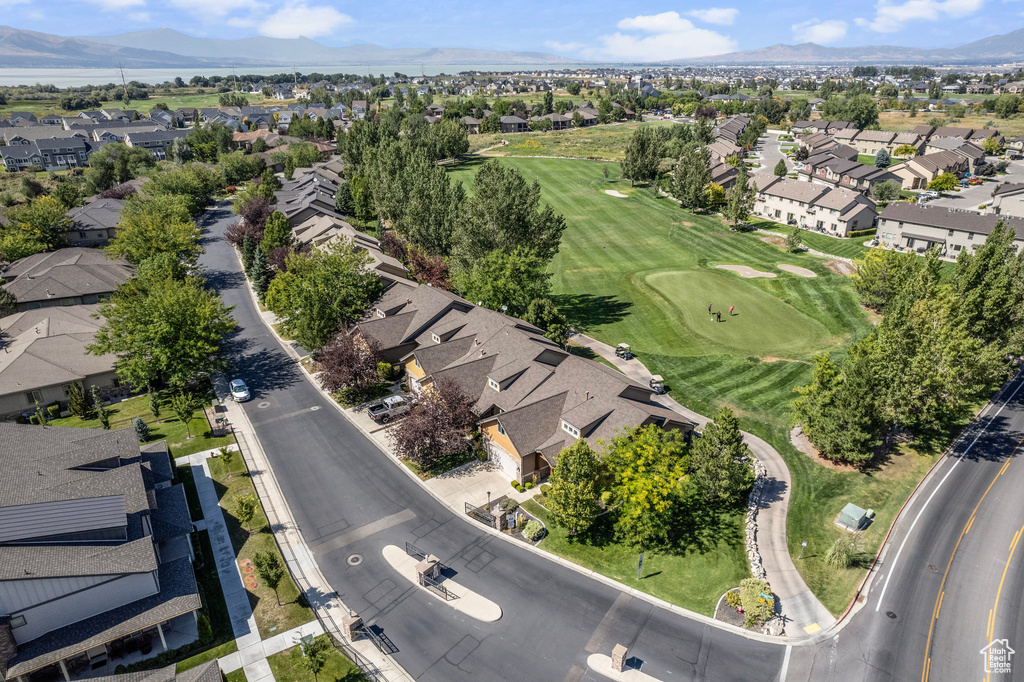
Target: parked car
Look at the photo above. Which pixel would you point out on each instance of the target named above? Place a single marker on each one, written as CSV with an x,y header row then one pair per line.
x,y
239,391
389,408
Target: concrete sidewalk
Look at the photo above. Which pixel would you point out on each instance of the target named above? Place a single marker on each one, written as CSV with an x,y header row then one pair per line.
x,y
253,658
300,561
798,605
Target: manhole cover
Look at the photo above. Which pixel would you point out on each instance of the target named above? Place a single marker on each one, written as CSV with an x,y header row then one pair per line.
x,y
933,568
263,405
315,408
891,614
355,560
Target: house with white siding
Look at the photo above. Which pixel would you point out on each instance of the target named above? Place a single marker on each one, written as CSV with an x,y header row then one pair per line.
x,y
918,228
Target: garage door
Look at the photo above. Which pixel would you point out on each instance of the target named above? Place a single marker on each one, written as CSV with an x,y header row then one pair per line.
x,y
503,459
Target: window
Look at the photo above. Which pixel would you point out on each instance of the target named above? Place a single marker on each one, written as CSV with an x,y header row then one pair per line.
x,y
67,302
570,429
34,397
957,247
970,236
501,429
17,621
950,233
494,384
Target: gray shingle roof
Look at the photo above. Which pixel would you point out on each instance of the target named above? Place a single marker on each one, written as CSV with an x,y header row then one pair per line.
x,y
949,218
100,214
69,272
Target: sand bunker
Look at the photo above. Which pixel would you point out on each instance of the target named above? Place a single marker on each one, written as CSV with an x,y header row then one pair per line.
x,y
614,193
744,271
797,270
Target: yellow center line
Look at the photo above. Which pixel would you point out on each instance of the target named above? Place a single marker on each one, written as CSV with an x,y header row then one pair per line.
x,y
949,564
939,607
970,522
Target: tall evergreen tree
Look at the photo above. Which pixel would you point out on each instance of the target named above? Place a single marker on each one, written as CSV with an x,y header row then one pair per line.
x,y
259,273
692,177
740,198
715,460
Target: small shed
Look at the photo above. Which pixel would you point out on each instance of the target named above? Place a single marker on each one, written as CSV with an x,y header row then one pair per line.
x,y
853,517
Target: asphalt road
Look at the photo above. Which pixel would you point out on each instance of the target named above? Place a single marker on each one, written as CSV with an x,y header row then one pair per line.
x,y
349,498
969,198
956,538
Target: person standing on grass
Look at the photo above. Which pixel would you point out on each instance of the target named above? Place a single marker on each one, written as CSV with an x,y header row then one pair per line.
x,y
730,310
709,309
719,313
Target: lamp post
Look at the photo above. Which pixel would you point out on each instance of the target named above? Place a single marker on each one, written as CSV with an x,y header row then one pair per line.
x,y
488,500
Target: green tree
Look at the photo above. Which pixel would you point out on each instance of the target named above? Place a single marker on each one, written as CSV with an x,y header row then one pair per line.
x,y
249,246
270,569
992,145
141,429
505,279
164,332
259,273
343,200
793,240
716,460
692,177
152,225
740,198
259,146
16,244
277,232
314,655
184,406
43,220
154,403
886,191
642,155
322,290
1007,105
882,159
780,169
78,404
362,200
882,274
574,488
577,119
245,509
101,410
946,182
544,314
905,151
237,167
67,193
116,163
192,183
648,464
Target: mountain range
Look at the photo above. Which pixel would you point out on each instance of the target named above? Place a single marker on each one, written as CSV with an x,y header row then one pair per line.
x,y
29,49
993,50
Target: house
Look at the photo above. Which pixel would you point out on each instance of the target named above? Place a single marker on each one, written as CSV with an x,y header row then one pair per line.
x,y
156,142
69,276
870,142
472,124
843,172
514,124
532,398
1008,200
911,139
44,351
95,223
322,231
732,129
96,557
204,672
917,227
723,174
1016,144
50,154
916,173
816,143
359,108
952,131
589,116
723,149
307,198
925,131
980,136
812,206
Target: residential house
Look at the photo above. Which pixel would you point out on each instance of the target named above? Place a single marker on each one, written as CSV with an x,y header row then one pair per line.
x,y
732,129
359,108
558,121
723,174
472,124
156,142
588,115
812,206
533,399
816,143
51,154
839,172
1007,200
514,124
44,350
925,131
95,556
65,277
870,142
978,137
916,173
952,131
322,231
95,223
1016,144
912,139
917,227
723,149
188,115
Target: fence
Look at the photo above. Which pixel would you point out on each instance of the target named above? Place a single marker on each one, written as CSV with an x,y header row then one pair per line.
x,y
311,593
480,514
441,590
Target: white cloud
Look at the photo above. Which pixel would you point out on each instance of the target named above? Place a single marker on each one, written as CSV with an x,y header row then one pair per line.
x,y
890,17
110,5
669,37
299,19
11,3
820,32
219,8
563,47
723,16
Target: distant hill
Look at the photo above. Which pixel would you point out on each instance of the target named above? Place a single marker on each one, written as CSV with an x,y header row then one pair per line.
x,y
289,52
996,49
28,49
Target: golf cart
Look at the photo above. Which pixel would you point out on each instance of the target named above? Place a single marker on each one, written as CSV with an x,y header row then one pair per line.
x,y
658,383
623,351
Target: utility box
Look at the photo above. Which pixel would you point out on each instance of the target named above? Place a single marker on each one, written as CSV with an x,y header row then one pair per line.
x,y
853,517
429,568
619,655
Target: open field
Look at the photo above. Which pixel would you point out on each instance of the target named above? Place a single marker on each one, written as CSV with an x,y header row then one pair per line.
x,y
642,271
900,121
173,99
594,142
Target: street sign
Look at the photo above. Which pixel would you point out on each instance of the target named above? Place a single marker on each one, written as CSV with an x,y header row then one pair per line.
x,y
766,596
639,565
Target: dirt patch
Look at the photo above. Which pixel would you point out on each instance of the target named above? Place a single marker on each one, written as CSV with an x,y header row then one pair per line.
x,y
799,440
774,241
686,223
728,614
840,267
797,270
724,234
616,194
745,271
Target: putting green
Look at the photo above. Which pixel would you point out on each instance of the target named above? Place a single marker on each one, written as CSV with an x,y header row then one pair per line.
x,y
762,324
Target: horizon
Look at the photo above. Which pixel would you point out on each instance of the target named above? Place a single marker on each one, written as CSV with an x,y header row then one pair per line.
x,y
628,32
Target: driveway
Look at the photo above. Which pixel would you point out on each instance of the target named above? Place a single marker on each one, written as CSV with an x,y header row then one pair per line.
x,y
970,198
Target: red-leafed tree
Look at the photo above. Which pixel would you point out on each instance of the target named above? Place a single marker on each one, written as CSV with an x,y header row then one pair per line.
x,y
394,246
437,427
279,256
348,361
235,234
256,209
428,269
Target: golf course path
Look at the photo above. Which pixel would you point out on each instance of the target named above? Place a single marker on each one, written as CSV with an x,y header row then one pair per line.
x,y
803,613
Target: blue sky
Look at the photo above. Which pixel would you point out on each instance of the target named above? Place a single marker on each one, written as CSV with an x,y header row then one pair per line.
x,y
604,30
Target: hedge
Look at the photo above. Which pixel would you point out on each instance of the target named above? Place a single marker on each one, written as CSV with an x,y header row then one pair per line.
x,y
861,233
750,596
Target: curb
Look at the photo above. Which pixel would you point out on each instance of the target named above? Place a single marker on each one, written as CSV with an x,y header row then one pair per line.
x,y
633,592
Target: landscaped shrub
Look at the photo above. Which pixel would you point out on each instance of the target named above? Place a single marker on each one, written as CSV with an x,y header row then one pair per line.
x,y
141,429
545,489
205,631
54,410
732,598
861,233
515,484
385,371
534,531
529,485
751,590
34,419
21,419
839,554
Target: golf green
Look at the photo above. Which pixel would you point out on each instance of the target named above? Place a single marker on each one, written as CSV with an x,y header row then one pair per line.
x,y
761,324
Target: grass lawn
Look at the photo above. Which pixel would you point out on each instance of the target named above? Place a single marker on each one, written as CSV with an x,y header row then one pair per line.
x,y
640,270
287,667
693,579
866,159
900,121
594,142
845,248
293,610
213,606
235,676
170,427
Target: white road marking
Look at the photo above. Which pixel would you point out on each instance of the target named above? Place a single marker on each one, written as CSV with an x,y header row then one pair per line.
x,y
892,569
785,663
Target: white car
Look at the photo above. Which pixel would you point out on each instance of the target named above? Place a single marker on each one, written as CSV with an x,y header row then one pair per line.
x,y
239,391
